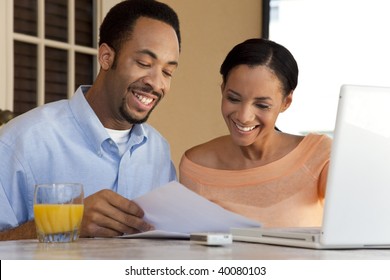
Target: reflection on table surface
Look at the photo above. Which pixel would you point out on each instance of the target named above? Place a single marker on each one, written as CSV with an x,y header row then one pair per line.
x,y
168,249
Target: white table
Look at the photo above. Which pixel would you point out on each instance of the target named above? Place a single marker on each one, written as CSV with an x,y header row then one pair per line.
x,y
167,249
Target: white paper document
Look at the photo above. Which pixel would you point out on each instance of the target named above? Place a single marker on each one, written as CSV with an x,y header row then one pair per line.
x,y
176,212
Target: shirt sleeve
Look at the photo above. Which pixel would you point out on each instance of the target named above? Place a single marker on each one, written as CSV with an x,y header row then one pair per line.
x,y
13,195
7,216
173,176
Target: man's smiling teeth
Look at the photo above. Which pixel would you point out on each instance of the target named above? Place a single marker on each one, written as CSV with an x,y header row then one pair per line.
x,y
245,128
143,99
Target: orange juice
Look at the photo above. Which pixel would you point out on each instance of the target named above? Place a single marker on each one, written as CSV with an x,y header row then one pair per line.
x,y
58,218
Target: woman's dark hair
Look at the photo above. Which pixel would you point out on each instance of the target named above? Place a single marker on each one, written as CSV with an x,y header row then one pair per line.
x,y
256,52
118,25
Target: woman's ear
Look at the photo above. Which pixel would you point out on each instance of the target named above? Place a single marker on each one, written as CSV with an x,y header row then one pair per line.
x,y
106,56
287,102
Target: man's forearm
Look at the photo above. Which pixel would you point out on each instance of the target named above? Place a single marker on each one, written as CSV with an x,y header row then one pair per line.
x,y
24,231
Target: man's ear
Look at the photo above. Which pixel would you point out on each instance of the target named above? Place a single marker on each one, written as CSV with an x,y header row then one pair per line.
x,y
106,56
287,102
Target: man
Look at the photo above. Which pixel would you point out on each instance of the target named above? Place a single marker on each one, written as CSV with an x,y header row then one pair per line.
x,y
98,137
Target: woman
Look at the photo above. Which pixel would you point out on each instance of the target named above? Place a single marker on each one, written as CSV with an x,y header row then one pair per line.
x,y
258,171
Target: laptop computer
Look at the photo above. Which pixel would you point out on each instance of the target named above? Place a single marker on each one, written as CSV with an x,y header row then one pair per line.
x,y
357,200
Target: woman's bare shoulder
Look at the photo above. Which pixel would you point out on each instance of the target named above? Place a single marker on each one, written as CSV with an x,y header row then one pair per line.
x,y
208,153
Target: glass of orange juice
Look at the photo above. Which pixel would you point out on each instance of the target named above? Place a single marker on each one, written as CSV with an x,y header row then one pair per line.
x,y
58,211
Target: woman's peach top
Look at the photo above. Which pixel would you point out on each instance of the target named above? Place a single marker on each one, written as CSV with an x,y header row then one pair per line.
x,y
286,193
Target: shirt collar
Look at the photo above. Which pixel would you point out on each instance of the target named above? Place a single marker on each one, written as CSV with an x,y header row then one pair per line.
x,y
91,126
137,136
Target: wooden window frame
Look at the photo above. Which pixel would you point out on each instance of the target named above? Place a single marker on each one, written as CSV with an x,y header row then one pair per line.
x,y
7,50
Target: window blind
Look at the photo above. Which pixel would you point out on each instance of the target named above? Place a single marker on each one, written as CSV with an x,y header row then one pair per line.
x,y
56,58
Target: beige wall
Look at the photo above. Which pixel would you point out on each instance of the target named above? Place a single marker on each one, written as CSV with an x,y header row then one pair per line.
x,y
190,113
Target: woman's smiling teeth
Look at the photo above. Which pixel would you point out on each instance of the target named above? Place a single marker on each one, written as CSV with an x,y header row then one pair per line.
x,y
144,100
245,128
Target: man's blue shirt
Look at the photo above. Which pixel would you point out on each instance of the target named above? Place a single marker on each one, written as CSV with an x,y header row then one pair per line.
x,y
64,141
